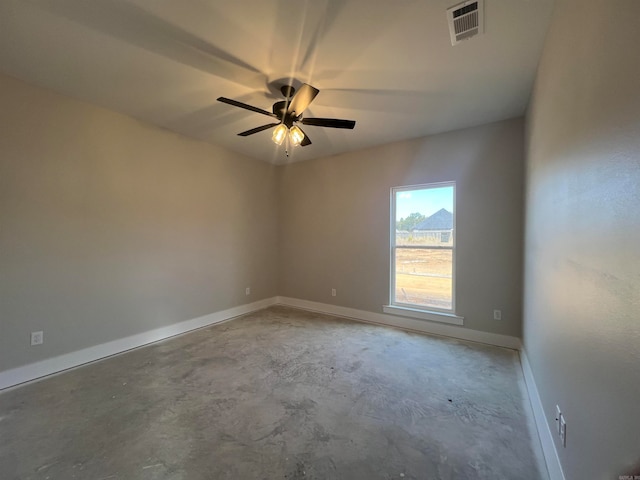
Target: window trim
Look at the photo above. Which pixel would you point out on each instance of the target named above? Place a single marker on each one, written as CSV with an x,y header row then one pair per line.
x,y
413,310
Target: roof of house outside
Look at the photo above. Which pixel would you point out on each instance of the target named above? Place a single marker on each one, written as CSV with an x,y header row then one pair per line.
x,y
441,220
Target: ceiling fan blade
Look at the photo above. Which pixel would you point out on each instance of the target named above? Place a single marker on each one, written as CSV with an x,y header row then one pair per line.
x,y
301,100
235,103
257,129
329,122
306,140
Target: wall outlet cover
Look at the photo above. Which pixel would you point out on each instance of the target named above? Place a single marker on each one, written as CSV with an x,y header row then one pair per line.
x,y
37,338
563,431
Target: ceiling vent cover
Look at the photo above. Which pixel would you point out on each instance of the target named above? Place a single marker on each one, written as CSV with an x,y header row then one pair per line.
x,y
466,20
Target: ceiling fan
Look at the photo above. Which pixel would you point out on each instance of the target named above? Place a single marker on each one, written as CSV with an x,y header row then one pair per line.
x,y
288,112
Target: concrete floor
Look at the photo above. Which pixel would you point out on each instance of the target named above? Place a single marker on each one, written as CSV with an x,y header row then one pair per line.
x,y
279,394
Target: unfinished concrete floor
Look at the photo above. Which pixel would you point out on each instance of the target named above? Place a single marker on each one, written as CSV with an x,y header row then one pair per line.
x,y
278,394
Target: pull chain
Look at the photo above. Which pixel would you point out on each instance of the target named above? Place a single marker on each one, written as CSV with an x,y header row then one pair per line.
x,y
286,145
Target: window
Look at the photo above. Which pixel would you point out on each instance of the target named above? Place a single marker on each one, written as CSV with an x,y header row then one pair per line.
x,y
423,252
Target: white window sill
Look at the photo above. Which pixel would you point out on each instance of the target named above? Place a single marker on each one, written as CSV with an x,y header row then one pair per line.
x,y
441,317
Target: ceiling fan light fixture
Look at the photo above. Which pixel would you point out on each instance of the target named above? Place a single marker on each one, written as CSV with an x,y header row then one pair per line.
x,y
296,135
279,134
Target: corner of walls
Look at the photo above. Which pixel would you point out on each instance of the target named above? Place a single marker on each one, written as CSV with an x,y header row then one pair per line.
x,y
279,251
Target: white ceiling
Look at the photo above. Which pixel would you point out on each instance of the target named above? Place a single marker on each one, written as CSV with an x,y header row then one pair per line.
x,y
388,64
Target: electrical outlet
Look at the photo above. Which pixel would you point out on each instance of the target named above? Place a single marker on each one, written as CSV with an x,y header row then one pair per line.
x,y
558,417
497,314
333,292
37,338
247,291
563,431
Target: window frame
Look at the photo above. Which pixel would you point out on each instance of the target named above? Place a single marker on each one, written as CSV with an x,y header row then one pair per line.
x,y
412,309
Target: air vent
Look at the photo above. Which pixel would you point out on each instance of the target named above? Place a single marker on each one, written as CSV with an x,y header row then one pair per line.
x,y
466,20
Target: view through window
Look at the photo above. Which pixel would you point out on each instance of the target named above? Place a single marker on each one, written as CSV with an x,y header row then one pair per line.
x,y
422,246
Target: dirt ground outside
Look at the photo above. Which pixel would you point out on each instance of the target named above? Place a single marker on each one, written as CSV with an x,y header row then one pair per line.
x,y
424,277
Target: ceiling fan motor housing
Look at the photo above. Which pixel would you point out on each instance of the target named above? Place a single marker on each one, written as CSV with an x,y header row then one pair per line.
x,y
279,108
287,91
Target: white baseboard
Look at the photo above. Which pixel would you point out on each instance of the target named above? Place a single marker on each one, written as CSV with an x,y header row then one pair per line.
x,y
50,366
43,368
546,436
405,323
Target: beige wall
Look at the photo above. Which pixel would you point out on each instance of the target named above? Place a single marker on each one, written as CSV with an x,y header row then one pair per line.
x,y
582,282
334,221
109,227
